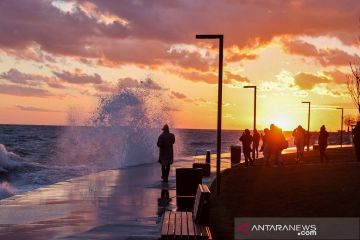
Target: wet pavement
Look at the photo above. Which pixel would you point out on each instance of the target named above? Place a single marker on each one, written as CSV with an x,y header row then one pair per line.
x,y
113,204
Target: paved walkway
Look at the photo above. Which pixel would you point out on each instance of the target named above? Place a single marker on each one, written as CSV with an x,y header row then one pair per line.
x,y
114,204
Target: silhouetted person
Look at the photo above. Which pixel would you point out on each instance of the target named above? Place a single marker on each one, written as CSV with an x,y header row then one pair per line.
x,y
265,148
256,141
356,139
246,140
277,143
166,157
323,143
299,135
307,140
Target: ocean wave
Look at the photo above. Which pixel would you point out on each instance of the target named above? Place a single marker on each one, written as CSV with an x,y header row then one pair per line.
x,y
8,160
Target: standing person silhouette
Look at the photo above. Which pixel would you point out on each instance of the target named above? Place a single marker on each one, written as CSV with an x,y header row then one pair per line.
x,y
277,143
256,141
166,155
356,139
323,143
299,135
265,148
246,140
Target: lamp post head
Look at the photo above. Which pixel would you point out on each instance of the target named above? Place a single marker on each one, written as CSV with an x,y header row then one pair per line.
x,y
209,36
249,86
305,102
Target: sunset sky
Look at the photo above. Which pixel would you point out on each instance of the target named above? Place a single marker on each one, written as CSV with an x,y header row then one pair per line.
x,y
60,55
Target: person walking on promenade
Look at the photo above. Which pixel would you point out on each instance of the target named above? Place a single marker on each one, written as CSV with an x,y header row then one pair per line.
x,y
323,143
166,152
246,139
356,139
277,143
256,142
299,135
265,148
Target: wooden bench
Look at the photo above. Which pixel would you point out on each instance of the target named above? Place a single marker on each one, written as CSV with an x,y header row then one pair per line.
x,y
189,225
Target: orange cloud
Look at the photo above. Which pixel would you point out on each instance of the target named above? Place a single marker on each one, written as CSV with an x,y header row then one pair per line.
x,y
235,78
337,76
307,81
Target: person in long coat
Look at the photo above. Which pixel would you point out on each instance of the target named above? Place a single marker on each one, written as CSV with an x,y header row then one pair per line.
x,y
277,143
165,143
323,143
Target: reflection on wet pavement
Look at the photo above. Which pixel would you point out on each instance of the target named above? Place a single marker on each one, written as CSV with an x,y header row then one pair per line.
x,y
106,205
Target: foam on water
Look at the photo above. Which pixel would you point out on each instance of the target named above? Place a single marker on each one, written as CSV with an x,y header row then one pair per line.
x,y
122,132
8,160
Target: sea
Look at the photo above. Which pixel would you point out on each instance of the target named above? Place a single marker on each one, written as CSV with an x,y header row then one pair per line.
x,y
37,156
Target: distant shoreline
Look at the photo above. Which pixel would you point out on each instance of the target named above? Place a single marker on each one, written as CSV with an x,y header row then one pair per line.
x,y
190,129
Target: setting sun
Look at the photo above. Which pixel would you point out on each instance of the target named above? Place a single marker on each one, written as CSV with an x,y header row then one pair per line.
x,y
283,121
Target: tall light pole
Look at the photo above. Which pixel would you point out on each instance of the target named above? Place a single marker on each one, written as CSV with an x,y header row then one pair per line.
x,y
308,128
342,124
218,139
254,87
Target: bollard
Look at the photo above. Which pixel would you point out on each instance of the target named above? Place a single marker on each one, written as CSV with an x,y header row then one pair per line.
x,y
205,166
208,157
235,155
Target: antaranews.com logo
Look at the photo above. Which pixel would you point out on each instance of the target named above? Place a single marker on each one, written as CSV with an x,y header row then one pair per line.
x,y
296,228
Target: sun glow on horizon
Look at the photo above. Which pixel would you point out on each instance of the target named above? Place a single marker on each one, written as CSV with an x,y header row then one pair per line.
x,y
283,121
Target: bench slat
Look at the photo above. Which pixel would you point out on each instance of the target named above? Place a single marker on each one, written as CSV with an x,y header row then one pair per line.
x,y
204,233
165,225
209,233
177,223
205,188
184,227
190,222
197,200
197,230
171,229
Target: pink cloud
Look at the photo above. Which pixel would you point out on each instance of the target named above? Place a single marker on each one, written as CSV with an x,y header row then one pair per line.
x,y
325,57
78,77
154,26
178,95
34,109
23,91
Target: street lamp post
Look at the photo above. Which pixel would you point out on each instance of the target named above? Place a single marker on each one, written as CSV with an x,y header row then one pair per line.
x,y
308,128
218,139
254,87
342,124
